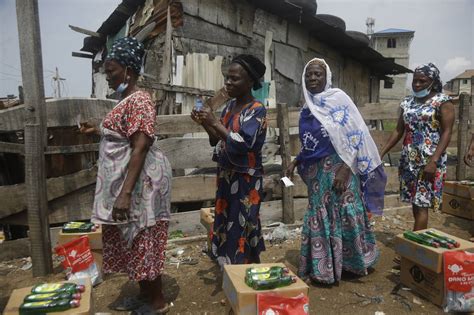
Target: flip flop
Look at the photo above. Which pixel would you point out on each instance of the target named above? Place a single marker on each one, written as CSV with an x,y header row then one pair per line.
x,y
129,303
147,309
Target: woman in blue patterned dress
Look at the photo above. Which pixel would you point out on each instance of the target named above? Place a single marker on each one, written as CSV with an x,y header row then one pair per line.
x,y
239,136
340,164
426,120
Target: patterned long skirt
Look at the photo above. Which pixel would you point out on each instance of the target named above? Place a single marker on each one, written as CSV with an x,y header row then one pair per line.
x,y
237,237
336,234
145,260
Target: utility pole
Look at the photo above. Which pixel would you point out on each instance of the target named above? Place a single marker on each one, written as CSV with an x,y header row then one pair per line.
x,y
58,80
35,135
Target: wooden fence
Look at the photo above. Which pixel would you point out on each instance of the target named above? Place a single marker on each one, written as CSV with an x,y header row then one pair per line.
x,y
70,197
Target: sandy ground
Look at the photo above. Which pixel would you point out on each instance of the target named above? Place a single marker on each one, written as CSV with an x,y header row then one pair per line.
x,y
196,289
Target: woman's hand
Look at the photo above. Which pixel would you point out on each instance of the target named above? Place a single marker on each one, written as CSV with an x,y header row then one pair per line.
x,y
289,172
469,153
206,116
88,128
340,180
121,209
195,116
429,171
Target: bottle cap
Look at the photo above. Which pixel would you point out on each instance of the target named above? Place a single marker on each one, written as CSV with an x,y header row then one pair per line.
x,y
80,288
75,303
76,296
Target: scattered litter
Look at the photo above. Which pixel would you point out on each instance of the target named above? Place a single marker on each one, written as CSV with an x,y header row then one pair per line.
x,y
406,289
278,235
26,264
171,304
379,313
176,234
366,300
322,299
194,303
395,272
223,302
175,252
416,301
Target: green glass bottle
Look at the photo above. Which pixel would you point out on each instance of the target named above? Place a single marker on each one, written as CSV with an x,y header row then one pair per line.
x,y
42,307
58,288
447,239
419,239
440,241
52,297
273,283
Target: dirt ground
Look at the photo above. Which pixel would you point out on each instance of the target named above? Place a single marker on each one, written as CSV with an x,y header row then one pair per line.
x,y
196,289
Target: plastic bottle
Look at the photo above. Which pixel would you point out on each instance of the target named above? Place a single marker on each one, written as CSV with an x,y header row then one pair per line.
x,y
52,297
199,103
43,307
70,288
273,283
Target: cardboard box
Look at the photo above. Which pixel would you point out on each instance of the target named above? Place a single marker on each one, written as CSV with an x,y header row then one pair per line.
x,y
85,307
95,243
427,256
458,206
95,238
243,299
464,189
423,281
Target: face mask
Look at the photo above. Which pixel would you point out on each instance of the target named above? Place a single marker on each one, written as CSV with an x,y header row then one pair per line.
x,y
122,86
423,93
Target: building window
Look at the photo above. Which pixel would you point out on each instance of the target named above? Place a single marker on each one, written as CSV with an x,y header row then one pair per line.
x,y
391,43
464,81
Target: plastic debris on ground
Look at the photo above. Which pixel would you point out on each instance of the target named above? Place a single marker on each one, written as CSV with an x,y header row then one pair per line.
x,y
176,234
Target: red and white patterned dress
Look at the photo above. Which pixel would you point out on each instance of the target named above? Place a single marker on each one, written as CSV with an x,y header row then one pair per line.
x,y
136,247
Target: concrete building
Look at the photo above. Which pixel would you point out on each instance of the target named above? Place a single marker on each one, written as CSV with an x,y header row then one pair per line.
x,y
461,83
394,43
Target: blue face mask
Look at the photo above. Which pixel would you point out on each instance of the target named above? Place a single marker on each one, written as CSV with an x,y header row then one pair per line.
x,y
423,93
122,86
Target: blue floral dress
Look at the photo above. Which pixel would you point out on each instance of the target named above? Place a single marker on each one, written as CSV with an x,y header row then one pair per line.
x,y
236,236
422,135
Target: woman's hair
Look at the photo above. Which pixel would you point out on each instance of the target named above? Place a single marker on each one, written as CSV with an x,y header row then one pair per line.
x,y
432,72
128,52
254,67
318,62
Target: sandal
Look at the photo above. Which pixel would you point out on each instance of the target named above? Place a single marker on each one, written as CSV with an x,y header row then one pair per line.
x,y
397,260
129,303
147,309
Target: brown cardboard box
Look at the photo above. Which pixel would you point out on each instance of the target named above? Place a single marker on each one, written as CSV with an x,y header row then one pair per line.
x,y
85,307
427,256
95,243
458,206
423,281
243,299
464,189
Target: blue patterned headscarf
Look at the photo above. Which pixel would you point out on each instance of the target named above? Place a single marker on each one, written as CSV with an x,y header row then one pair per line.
x,y
127,51
432,72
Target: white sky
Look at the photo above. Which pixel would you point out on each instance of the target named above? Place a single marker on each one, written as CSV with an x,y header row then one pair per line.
x,y
443,35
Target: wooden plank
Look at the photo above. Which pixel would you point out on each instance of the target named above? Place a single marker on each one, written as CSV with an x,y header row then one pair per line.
x,y
287,192
84,31
463,135
288,62
60,112
70,149
376,111
56,187
199,29
187,152
8,147
193,188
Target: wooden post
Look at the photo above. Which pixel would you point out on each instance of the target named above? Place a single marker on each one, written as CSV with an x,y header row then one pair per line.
x,y
35,135
283,123
463,135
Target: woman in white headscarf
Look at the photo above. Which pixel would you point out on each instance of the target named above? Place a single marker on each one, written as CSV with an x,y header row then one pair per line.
x,y
340,164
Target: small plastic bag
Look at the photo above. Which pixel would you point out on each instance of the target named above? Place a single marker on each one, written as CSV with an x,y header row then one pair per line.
x,y
275,304
459,281
77,260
